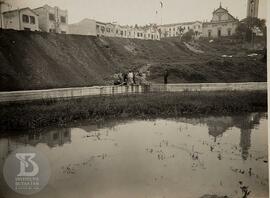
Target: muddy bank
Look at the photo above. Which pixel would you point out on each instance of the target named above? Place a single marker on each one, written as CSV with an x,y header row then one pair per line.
x,y
36,114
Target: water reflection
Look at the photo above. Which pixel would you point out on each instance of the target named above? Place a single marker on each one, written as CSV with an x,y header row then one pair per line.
x,y
216,127
153,157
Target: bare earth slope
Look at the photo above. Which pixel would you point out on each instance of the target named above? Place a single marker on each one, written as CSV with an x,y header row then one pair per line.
x,y
30,60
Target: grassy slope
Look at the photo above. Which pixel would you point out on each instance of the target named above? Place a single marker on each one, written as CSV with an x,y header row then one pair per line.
x,y
41,60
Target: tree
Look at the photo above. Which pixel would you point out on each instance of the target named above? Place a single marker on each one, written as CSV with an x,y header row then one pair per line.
x,y
247,27
188,36
180,31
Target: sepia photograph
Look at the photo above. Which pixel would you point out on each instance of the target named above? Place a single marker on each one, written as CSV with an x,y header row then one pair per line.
x,y
134,99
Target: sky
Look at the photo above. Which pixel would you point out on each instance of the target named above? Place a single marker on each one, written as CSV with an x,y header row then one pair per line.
x,y
141,12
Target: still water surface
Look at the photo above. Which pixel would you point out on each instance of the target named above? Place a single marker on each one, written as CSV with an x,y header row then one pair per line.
x,y
166,158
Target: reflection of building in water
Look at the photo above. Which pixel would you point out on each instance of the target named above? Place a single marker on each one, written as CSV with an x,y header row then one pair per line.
x,y
246,124
54,138
245,142
218,125
51,138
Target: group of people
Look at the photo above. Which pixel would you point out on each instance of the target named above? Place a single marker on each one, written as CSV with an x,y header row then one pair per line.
x,y
136,78
130,78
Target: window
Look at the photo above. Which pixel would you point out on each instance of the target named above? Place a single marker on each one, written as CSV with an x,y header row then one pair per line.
x,y
32,20
55,136
63,19
25,18
52,17
219,33
66,134
229,33
108,30
138,34
102,29
52,30
209,33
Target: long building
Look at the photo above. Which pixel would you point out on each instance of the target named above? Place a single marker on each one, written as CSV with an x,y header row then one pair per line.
x,y
97,28
178,29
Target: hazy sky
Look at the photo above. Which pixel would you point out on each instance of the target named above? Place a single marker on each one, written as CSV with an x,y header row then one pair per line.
x,y
142,11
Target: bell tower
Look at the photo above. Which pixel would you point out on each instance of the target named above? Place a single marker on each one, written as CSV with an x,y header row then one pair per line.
x,y
252,8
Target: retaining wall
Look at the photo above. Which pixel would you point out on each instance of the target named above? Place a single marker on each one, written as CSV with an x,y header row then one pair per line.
x,y
136,89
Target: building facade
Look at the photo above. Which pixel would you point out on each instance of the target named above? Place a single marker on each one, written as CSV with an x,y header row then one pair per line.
x,y
178,29
222,24
252,8
52,19
21,19
97,28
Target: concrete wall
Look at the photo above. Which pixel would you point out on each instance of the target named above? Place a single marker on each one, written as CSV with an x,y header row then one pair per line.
x,y
113,90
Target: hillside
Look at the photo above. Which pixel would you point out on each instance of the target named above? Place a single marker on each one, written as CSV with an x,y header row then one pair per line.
x,y
34,60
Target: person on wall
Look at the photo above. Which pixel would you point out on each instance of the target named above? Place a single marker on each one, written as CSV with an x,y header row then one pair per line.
x,y
166,75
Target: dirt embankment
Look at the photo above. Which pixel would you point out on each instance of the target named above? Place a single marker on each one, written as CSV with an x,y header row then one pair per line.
x,y
30,60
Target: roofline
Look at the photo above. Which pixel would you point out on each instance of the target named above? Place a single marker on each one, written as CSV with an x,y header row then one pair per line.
x,y
220,8
183,23
26,8
50,7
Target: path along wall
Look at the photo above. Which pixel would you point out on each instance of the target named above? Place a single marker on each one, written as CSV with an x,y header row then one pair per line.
x,y
136,89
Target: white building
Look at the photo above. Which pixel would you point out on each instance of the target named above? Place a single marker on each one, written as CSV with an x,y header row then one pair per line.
x,y
101,28
21,19
178,29
222,24
52,19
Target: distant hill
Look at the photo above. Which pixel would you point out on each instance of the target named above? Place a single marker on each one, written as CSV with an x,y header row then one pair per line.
x,y
34,60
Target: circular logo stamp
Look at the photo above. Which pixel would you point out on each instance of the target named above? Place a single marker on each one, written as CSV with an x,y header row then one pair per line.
x,y
26,171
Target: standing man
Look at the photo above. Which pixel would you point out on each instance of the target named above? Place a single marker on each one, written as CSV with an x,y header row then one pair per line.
x,y
166,74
